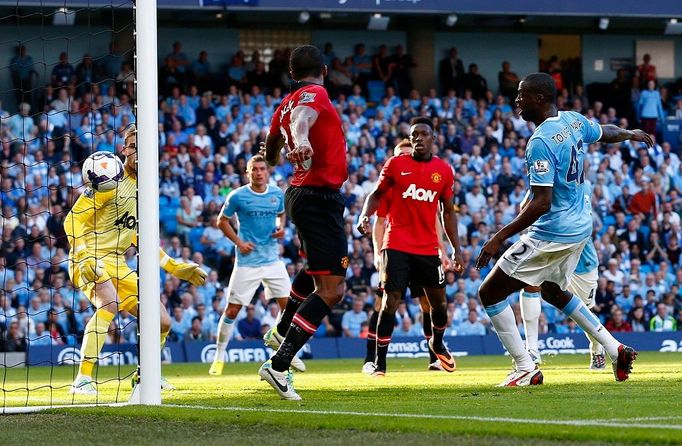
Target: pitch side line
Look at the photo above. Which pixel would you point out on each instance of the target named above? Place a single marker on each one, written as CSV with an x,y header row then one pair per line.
x,y
596,423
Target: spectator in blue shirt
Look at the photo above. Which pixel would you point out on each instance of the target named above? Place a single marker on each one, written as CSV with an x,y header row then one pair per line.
x,y
649,108
471,326
63,74
407,328
179,325
249,327
352,320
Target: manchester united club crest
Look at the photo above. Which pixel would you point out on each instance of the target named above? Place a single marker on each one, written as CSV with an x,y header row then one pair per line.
x,y
436,177
345,261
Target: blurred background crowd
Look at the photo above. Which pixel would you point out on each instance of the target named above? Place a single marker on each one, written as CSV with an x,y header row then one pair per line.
x,y
211,121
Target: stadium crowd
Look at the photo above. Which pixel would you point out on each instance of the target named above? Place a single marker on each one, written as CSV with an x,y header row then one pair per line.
x,y
211,122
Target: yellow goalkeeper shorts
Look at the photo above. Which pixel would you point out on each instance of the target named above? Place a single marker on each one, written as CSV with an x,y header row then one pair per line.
x,y
122,277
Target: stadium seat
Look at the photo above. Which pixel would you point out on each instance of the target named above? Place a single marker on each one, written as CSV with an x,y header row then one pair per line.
x,y
170,225
195,239
609,220
646,231
376,90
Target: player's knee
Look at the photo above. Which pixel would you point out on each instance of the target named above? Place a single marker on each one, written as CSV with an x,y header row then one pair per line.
x,y
485,293
165,324
439,306
392,302
424,304
231,312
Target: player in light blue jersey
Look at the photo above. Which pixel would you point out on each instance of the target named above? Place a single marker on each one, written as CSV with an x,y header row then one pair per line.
x,y
583,283
259,211
559,223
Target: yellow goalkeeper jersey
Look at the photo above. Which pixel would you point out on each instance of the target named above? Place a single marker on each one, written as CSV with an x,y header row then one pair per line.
x,y
105,222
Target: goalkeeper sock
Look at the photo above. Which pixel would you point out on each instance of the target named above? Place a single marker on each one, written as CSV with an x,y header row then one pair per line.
x,y
303,325
302,286
225,328
502,317
531,307
428,334
93,340
163,339
576,310
384,332
370,356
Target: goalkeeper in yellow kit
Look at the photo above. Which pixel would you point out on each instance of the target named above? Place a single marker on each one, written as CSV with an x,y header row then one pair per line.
x,y
101,227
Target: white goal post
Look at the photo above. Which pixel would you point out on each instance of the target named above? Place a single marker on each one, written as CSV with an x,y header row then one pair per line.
x,y
148,202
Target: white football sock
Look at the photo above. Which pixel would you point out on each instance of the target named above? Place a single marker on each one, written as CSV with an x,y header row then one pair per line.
x,y
225,327
595,347
576,310
531,307
504,322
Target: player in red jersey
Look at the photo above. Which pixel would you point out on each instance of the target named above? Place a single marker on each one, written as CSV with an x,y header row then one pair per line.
x,y
378,231
307,123
415,186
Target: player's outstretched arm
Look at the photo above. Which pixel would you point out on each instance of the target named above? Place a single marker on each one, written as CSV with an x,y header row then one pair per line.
x,y
539,204
612,133
184,271
450,226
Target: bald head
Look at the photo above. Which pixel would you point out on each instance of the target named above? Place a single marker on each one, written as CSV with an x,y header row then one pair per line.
x,y
541,83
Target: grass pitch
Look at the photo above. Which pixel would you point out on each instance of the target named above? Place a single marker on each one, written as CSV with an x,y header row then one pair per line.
x,y
341,406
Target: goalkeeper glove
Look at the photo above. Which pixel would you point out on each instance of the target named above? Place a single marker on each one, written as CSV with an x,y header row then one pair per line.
x,y
184,271
91,268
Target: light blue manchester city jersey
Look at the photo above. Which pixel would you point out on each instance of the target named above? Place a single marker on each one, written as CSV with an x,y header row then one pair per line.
x,y
257,214
588,258
554,156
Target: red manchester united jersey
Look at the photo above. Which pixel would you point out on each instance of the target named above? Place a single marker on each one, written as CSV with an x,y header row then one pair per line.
x,y
414,189
328,167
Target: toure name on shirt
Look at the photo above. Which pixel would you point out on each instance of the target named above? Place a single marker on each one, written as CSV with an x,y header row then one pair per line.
x,y
565,132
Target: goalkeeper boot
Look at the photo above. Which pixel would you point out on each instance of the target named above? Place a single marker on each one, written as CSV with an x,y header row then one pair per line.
x,y
273,340
216,368
282,382
83,385
165,384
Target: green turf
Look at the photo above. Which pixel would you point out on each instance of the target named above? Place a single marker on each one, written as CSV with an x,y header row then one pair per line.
x,y
646,409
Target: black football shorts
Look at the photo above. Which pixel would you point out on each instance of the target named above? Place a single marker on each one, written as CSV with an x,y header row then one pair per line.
x,y
418,271
318,215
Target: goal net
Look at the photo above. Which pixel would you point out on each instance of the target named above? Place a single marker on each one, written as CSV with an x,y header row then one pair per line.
x,y
67,90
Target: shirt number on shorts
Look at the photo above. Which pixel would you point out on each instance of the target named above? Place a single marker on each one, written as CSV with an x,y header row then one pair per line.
x,y
514,256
